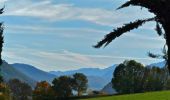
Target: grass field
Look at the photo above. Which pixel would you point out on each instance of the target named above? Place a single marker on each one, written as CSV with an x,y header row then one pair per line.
x,y
163,95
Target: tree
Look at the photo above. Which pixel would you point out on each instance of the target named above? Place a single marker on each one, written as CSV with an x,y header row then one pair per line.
x,y
167,86
4,92
80,83
161,10
155,80
1,78
1,44
1,36
62,86
43,91
133,77
20,90
127,77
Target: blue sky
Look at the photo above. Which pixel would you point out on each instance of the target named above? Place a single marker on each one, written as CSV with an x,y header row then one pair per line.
x,y
59,34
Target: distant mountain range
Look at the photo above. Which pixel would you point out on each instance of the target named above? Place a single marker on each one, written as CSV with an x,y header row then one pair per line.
x,y
98,78
33,72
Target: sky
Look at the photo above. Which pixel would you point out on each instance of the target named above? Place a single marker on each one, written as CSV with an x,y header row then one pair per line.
x,y
58,35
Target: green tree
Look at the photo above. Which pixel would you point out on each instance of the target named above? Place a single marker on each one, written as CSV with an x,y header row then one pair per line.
x,y
43,91
155,80
62,86
167,86
80,83
161,10
127,77
20,90
133,77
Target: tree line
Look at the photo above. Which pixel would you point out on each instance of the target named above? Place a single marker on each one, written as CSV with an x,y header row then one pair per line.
x,y
62,88
133,77
128,77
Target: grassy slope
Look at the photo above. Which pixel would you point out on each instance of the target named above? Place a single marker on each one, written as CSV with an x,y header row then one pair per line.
x,y
163,95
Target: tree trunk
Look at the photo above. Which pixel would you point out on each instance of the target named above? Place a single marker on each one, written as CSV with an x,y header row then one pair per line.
x,y
166,26
79,92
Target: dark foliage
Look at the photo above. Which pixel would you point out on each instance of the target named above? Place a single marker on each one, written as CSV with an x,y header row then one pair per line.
x,y
119,31
62,86
133,77
1,44
20,90
43,91
128,77
1,79
1,36
159,29
80,83
161,10
164,54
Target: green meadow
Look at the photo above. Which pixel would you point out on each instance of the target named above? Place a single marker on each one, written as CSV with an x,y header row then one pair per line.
x,y
163,95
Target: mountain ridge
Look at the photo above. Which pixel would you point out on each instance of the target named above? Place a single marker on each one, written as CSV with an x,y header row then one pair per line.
x,y
34,72
8,72
97,77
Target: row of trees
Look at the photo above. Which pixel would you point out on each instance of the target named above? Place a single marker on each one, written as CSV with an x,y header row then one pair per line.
x,y
15,89
62,87
19,90
133,77
128,77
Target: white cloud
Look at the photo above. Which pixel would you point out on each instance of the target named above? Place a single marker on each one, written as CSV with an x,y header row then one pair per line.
x,y
58,12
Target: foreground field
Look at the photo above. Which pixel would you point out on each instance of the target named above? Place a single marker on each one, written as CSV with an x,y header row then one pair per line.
x,y
163,95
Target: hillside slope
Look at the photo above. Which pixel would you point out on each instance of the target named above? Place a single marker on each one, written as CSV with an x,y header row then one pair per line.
x,y
108,89
34,72
9,72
